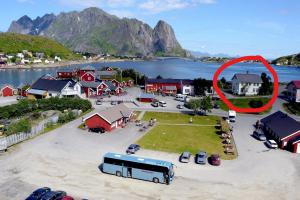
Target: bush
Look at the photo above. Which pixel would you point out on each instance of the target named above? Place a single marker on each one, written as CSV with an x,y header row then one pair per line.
x,y
24,107
22,125
256,103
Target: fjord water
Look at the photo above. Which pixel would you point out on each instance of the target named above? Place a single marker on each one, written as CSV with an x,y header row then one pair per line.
x,y
168,68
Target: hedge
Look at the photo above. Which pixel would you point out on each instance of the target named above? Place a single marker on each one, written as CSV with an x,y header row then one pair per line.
x,y
24,107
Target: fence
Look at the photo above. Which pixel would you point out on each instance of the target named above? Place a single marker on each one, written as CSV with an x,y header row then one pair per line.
x,y
19,137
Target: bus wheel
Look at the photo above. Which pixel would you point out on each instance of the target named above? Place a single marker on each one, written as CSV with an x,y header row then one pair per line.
x,y
155,180
118,173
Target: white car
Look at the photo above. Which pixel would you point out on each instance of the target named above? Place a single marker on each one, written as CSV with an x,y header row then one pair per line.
x,y
163,104
272,144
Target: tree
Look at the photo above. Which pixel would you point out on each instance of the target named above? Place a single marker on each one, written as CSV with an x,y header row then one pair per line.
x,y
266,86
201,85
159,77
194,104
205,104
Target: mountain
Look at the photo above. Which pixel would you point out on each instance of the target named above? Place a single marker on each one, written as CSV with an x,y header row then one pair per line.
x,y
25,25
95,31
15,43
288,60
198,54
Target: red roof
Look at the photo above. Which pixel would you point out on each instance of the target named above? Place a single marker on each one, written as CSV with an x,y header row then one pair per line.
x,y
297,84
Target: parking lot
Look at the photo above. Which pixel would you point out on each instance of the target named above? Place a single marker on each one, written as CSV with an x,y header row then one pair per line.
x,y
68,159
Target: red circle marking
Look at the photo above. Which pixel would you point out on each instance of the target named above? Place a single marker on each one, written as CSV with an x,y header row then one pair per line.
x,y
246,110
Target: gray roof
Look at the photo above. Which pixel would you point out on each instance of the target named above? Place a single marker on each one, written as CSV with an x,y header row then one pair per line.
x,y
89,68
115,113
281,124
90,84
36,92
171,87
147,96
106,73
110,85
248,78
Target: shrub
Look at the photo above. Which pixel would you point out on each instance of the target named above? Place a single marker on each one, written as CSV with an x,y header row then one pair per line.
x,y
256,103
22,125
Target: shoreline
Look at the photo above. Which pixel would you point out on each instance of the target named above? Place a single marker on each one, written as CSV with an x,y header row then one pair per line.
x,y
61,64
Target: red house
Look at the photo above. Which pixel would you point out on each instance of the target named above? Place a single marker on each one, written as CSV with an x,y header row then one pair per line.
x,y
129,83
160,85
82,71
284,130
109,69
111,118
115,82
66,74
7,91
146,98
92,89
23,89
88,76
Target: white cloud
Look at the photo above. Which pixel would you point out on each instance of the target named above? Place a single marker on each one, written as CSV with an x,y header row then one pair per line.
x,y
100,3
25,1
157,6
122,13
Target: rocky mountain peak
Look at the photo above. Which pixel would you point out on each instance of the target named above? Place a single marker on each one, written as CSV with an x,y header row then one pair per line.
x,y
95,31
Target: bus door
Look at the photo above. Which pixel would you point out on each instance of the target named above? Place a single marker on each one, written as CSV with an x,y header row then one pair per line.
x,y
124,171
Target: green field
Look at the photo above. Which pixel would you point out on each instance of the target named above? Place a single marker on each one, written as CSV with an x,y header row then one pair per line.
x,y
243,103
182,136
178,118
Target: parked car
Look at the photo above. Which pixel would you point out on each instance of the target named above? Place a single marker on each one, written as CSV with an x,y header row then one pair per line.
x,y
114,103
259,134
97,130
155,104
180,106
215,160
201,157
185,157
216,106
54,195
271,144
20,98
37,194
163,104
67,198
133,148
99,102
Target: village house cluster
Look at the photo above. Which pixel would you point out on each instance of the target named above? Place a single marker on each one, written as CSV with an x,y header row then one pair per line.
x,y
27,57
86,82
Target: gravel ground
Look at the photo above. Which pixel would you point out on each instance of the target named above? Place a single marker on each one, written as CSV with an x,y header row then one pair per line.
x,y
68,159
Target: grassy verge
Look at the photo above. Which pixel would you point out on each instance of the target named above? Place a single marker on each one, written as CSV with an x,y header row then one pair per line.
x,y
178,118
169,137
292,108
244,103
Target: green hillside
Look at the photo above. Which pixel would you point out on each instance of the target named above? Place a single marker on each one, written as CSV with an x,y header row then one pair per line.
x,y
11,43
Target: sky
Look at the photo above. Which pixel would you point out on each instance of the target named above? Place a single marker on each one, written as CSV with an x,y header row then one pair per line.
x,y
269,28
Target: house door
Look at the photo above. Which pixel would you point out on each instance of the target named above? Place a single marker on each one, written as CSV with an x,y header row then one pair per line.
x,y
298,148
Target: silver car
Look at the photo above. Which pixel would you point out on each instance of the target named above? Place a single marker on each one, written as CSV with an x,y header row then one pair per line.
x,y
185,157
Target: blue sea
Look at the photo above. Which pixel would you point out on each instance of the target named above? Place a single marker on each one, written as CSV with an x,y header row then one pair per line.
x,y
167,68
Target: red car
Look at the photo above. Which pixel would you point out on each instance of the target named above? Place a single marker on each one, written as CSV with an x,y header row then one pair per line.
x,y
215,160
67,198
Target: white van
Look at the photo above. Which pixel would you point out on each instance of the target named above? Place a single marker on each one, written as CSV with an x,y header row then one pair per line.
x,y
231,115
180,97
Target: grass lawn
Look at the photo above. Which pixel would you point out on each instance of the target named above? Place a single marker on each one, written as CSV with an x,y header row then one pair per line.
x,y
292,108
179,118
176,139
243,103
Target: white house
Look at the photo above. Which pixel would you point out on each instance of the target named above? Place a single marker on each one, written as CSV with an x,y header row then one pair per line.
x,y
187,89
20,55
57,58
46,88
293,91
246,84
36,61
